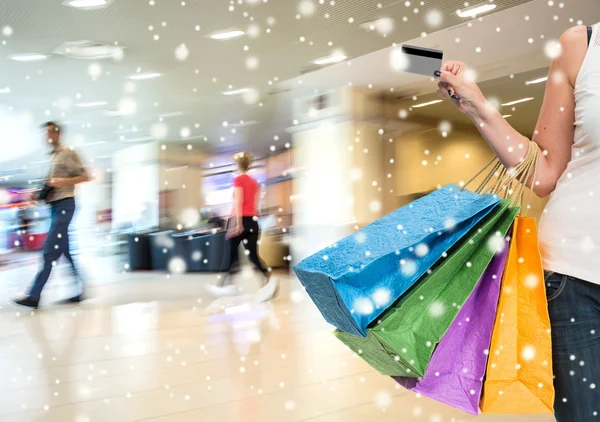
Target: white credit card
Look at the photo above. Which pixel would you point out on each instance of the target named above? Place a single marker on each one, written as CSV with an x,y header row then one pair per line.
x,y
423,61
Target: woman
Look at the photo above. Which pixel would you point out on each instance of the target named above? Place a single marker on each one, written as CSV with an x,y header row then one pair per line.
x,y
568,131
243,224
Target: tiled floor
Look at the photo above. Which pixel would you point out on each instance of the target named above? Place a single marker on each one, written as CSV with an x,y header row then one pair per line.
x,y
151,347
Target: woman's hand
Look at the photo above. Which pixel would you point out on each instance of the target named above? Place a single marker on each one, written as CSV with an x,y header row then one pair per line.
x,y
235,230
458,85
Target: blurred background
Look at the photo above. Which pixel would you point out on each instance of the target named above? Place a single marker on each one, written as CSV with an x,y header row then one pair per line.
x,y
157,96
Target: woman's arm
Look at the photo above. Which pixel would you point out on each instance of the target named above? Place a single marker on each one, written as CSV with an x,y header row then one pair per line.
x,y
554,131
257,203
238,195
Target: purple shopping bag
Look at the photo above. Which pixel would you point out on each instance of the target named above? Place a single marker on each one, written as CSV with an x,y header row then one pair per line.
x,y
455,373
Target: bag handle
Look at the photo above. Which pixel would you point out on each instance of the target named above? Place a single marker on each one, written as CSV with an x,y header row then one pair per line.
x,y
510,181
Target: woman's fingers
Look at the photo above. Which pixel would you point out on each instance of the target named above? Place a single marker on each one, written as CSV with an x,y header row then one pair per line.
x,y
444,90
454,67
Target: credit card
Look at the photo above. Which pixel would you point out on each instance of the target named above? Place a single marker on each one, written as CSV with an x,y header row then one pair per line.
x,y
423,61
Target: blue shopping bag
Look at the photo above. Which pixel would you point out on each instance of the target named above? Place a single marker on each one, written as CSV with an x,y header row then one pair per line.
x,y
354,280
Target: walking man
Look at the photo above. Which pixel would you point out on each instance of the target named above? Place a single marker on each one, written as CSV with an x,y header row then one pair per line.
x,y
66,171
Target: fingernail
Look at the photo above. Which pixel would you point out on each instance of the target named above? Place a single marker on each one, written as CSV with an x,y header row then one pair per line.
x,y
437,73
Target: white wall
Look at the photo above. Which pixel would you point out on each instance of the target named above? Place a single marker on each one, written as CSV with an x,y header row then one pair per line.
x,y
135,186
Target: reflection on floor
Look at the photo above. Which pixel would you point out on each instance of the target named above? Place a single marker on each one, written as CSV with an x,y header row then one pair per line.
x,y
152,347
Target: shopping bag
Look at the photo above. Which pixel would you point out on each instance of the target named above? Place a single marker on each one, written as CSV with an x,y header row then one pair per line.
x,y
519,373
402,341
354,280
456,370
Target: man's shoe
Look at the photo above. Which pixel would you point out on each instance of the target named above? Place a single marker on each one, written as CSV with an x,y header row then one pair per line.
x,y
72,300
27,301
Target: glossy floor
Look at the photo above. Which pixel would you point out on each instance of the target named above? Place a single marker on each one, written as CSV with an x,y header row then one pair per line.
x,y
151,347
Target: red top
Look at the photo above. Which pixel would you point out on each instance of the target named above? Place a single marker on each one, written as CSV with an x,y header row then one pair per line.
x,y
249,188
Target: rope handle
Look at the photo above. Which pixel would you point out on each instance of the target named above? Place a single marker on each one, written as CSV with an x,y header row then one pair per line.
x,y
511,182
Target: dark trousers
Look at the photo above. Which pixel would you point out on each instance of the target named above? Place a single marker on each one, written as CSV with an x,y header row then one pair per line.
x,y
57,244
249,238
574,307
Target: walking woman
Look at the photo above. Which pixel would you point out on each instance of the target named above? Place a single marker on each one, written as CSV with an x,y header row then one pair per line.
x,y
242,227
568,131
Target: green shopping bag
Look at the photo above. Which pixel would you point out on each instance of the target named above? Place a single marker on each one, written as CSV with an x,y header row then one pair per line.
x,y
402,342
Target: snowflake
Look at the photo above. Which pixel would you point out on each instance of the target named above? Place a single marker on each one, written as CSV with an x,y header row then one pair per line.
x,y
383,399
399,61
364,306
532,281
552,49
436,309
306,8
408,268
182,52
177,266
434,18
421,250
382,297
528,353
375,206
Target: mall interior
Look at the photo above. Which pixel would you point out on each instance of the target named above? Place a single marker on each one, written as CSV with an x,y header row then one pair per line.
x,y
156,97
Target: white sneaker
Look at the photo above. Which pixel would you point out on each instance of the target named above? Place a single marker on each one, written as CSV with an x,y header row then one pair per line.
x,y
219,291
269,291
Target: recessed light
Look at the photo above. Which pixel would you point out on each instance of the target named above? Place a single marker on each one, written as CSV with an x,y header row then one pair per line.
x,y
227,35
522,100
91,104
235,91
479,9
171,114
537,81
139,139
4,90
245,123
142,76
427,104
82,4
90,50
33,57
335,58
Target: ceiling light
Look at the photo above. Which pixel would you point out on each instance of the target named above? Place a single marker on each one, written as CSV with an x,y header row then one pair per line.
x,y
227,35
172,114
336,58
246,123
34,57
537,81
140,139
90,50
91,104
5,90
81,4
142,76
506,116
235,91
427,104
522,100
471,12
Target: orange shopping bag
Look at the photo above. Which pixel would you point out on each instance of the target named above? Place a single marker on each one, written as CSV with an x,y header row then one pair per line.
x,y
519,373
